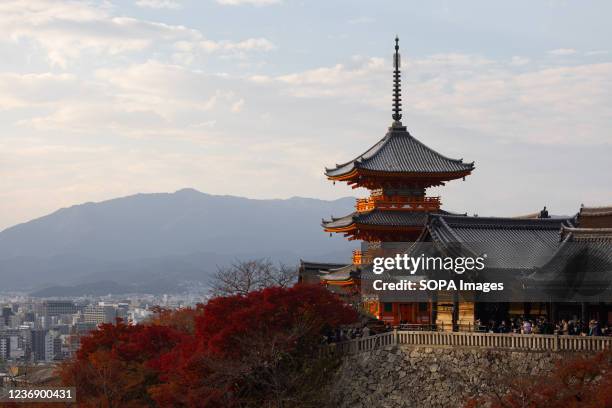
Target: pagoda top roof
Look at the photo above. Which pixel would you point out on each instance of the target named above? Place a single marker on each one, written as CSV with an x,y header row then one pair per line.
x,y
400,152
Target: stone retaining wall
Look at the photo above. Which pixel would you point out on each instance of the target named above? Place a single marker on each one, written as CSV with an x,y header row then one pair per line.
x,y
409,376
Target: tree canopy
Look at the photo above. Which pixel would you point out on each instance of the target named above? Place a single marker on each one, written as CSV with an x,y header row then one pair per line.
x,y
257,349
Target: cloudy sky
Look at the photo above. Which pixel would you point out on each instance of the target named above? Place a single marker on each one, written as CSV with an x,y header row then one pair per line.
x,y
255,97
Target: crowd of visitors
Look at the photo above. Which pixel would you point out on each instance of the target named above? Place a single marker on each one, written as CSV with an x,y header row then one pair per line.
x,y
519,325
541,325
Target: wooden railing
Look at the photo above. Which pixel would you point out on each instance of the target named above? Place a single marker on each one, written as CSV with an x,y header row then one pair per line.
x,y
364,343
540,342
398,203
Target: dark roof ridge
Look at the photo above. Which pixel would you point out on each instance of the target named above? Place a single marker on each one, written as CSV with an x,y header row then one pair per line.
x,y
576,229
502,222
449,229
317,263
588,234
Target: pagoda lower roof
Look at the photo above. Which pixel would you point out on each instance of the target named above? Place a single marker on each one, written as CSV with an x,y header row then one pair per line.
x,y
340,274
309,271
320,266
400,152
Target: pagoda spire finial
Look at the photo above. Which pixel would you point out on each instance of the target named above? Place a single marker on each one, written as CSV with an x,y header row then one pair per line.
x,y
397,87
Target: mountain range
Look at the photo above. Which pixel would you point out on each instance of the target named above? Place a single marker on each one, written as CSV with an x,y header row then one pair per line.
x,y
162,242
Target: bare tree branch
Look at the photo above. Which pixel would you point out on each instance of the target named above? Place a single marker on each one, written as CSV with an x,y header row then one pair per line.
x,y
243,277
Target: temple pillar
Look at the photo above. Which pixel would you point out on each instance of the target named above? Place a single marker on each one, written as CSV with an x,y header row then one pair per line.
x,y
455,310
554,315
583,312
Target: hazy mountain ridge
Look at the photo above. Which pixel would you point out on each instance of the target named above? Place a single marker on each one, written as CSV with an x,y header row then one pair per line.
x,y
184,235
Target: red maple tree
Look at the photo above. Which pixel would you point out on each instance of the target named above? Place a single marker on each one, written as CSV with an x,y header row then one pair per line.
x,y
259,349
116,364
577,381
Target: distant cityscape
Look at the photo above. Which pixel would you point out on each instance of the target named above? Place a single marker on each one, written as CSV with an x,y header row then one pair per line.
x,y
37,331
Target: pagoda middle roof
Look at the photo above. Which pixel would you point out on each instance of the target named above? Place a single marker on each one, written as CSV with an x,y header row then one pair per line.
x,y
400,152
380,217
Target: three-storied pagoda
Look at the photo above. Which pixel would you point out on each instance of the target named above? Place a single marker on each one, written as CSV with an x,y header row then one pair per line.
x,y
397,170
537,248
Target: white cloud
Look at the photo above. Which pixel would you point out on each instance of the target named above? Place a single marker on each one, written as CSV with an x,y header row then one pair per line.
x,y
337,74
251,44
260,79
68,30
237,106
540,105
35,90
248,2
151,99
159,4
72,31
518,61
596,52
259,44
361,20
563,51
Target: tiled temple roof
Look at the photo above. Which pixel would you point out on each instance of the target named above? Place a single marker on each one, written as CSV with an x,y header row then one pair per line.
x,y
339,274
595,211
587,234
309,271
320,265
586,264
509,242
379,217
400,152
594,217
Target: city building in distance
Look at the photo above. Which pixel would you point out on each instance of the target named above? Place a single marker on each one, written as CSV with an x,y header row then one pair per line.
x,y
38,331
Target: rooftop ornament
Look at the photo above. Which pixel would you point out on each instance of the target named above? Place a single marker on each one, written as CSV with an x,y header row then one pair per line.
x,y
397,87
